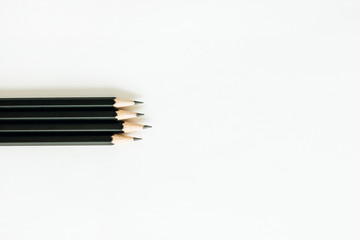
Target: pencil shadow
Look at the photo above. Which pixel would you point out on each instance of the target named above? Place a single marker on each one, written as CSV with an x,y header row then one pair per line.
x,y
67,92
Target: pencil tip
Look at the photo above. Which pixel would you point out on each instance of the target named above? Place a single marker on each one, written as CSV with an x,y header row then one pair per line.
x,y
138,102
137,139
139,114
147,126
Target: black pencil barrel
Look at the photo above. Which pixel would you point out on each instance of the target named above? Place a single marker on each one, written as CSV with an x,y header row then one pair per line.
x,y
77,102
61,126
46,139
58,114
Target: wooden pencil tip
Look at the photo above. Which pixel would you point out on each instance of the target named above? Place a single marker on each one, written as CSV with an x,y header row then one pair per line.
x,y
137,139
138,102
147,126
139,114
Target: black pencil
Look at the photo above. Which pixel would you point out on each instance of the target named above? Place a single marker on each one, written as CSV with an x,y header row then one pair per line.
x,y
66,114
69,126
46,139
65,102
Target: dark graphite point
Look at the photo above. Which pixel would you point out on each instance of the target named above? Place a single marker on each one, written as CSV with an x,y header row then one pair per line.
x,y
147,126
139,114
138,102
137,139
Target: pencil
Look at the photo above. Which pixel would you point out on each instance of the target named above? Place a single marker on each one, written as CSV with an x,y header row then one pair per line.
x,y
65,102
66,114
70,126
59,139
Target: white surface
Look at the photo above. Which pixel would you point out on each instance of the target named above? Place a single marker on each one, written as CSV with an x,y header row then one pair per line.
x,y
255,108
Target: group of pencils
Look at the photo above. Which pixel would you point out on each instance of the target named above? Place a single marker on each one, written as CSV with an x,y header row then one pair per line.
x,y
67,121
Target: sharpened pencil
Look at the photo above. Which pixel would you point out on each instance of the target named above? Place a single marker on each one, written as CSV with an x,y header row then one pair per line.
x,y
66,114
59,139
65,102
70,126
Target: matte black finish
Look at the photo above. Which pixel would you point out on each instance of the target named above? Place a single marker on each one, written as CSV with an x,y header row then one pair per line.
x,y
45,139
58,114
57,102
147,126
61,126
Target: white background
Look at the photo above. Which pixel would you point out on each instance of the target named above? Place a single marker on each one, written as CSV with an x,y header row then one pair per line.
x,y
255,108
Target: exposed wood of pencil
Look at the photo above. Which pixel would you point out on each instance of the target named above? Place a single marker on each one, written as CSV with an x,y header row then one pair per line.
x,y
122,114
119,138
66,114
45,139
78,102
119,103
70,126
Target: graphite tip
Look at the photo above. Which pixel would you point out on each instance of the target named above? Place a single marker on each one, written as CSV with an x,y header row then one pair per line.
x,y
139,114
138,102
137,139
147,126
